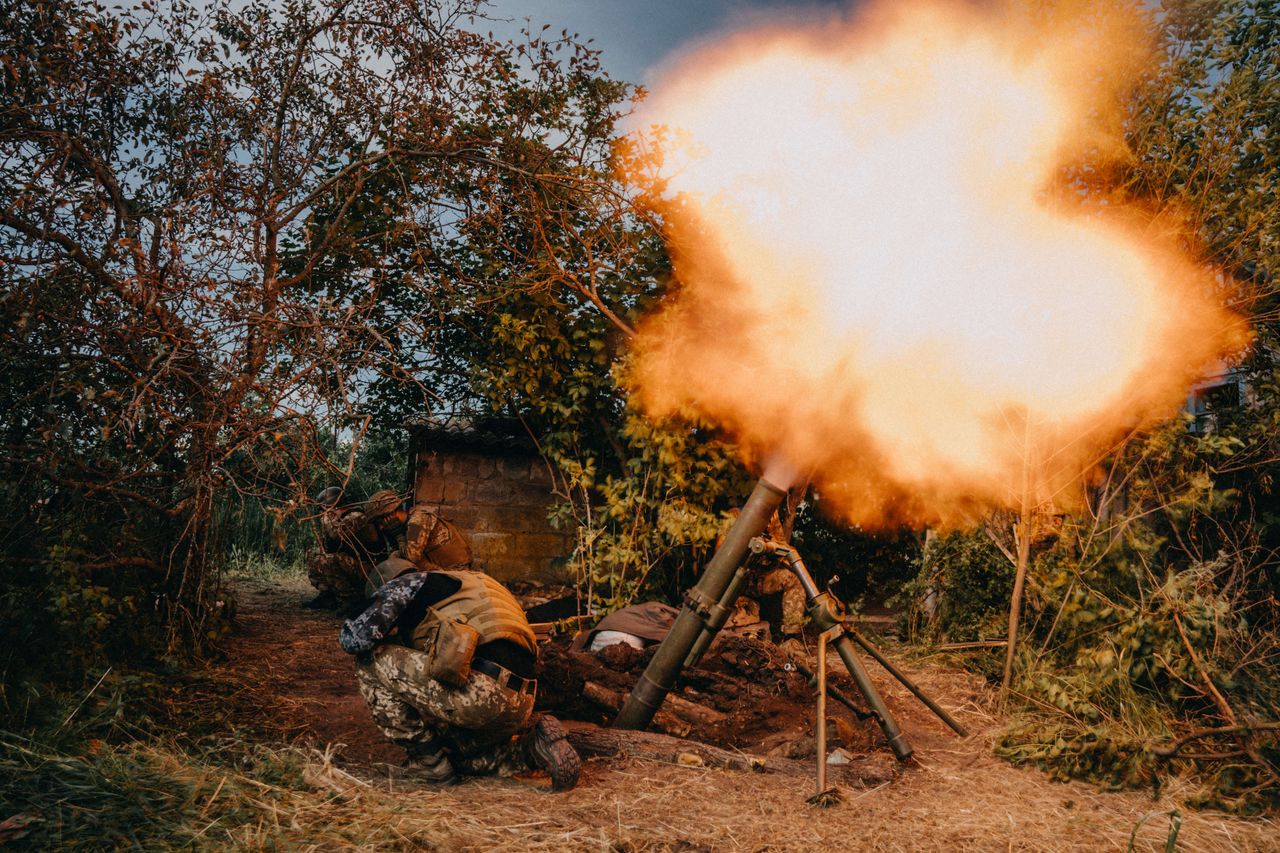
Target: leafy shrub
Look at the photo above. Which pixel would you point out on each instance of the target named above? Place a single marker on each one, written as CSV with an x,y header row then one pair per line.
x,y
961,592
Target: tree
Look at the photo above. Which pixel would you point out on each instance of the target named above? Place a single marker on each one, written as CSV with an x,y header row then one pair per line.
x,y
223,225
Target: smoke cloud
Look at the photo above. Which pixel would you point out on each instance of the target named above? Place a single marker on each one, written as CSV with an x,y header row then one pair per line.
x,y
888,272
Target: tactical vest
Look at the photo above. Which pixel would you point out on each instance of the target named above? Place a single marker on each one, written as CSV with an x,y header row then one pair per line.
x,y
485,605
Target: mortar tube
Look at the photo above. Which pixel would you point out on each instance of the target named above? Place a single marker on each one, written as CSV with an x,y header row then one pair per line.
x,y
659,676
719,618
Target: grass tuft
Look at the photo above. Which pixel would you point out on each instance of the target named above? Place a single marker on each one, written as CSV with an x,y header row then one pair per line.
x,y
260,566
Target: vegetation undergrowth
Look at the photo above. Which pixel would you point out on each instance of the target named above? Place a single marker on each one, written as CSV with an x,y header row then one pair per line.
x,y
166,760
1151,645
257,565
152,796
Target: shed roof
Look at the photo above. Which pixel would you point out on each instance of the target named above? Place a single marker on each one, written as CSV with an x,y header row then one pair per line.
x,y
489,436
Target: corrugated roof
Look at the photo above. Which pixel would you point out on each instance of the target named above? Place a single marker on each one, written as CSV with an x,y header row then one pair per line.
x,y
493,436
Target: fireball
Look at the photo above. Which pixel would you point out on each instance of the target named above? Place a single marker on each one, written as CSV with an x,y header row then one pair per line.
x,y
894,269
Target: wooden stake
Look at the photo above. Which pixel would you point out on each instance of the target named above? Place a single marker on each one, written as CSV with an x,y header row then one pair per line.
x,y
1023,535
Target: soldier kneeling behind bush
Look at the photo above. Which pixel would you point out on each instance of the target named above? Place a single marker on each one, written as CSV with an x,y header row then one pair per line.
x,y
445,660
355,537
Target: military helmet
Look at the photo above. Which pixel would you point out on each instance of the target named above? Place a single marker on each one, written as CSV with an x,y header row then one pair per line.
x,y
329,496
380,503
392,567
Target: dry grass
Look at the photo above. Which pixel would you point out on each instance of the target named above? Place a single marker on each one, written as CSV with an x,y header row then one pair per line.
x,y
959,797
963,801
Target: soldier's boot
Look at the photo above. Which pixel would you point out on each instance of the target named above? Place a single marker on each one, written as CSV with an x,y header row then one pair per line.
x,y
429,762
546,747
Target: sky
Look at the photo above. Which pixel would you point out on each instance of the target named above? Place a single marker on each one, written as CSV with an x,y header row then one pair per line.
x,y
636,36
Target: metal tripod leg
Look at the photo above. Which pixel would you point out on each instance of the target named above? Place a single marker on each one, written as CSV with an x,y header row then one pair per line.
x,y
826,614
933,706
824,795
821,731
897,741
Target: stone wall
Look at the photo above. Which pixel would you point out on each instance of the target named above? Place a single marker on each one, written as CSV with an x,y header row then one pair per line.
x,y
500,503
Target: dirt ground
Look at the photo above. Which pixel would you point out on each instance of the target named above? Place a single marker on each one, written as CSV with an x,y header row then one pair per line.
x,y
746,694
954,796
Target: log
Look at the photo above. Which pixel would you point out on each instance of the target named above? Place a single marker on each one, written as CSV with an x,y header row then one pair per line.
x,y
679,706
612,700
591,740
693,712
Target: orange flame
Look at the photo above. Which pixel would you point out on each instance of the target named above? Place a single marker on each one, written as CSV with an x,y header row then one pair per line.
x,y
886,275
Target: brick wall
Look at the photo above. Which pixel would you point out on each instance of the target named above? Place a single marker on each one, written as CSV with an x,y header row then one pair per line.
x,y
500,503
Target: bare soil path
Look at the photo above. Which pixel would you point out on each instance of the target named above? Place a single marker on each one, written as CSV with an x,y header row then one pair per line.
x,y
290,658
956,796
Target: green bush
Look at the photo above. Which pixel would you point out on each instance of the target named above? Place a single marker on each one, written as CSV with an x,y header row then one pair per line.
x,y
961,592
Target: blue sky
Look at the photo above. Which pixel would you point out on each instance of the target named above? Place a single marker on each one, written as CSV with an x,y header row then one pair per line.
x,y
637,35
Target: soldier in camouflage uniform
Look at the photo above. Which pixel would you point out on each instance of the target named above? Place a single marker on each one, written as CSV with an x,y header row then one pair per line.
x,y
445,660
769,578
350,545
418,535
779,581
353,539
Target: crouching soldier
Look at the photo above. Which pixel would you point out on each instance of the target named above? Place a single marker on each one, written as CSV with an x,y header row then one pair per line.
x,y
445,660
349,545
418,534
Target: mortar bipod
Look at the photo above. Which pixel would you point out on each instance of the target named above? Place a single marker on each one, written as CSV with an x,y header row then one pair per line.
x,y
796,564
824,796
827,615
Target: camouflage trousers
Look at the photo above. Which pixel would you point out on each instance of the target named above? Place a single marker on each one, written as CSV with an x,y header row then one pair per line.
x,y
781,582
341,574
476,724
